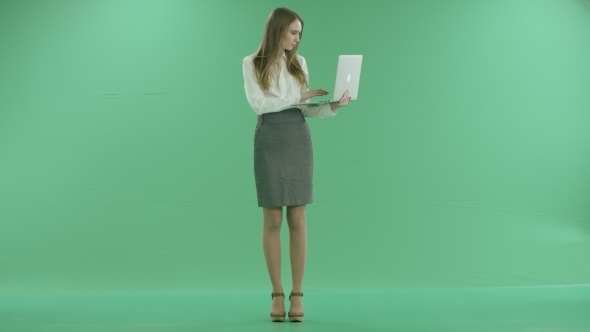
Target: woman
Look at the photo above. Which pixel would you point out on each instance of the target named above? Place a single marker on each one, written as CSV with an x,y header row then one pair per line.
x,y
275,78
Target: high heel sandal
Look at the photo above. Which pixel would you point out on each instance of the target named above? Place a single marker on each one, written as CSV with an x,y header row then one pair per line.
x,y
278,316
295,316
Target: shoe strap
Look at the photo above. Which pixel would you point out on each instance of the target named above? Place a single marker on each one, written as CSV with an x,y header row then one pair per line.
x,y
295,294
272,295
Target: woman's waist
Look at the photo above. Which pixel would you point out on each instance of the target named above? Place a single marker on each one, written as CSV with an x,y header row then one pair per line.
x,y
286,115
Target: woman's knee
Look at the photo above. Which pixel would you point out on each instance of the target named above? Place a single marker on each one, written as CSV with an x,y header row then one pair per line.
x,y
273,218
296,217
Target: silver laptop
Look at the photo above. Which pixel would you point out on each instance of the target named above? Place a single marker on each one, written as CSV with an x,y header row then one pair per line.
x,y
348,77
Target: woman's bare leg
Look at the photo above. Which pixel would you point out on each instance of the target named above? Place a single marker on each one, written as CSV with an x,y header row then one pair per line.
x,y
271,244
296,219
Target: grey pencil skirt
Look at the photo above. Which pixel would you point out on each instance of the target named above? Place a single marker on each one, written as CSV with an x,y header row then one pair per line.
x,y
283,159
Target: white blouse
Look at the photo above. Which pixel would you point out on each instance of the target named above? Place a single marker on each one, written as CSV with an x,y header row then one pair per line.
x,y
283,96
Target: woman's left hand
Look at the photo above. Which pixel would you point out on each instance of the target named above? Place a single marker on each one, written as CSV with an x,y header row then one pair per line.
x,y
342,102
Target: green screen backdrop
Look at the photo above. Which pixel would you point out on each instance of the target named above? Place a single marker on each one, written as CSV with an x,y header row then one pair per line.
x,y
126,146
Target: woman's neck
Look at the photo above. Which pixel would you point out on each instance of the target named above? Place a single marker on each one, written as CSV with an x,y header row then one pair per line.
x,y
279,57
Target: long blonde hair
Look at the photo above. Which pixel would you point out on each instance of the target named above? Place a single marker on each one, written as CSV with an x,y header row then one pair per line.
x,y
264,60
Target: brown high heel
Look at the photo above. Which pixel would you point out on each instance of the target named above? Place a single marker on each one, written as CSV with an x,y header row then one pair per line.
x,y
295,316
278,316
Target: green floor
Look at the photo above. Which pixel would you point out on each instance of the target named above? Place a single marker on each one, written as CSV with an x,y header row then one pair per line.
x,y
559,308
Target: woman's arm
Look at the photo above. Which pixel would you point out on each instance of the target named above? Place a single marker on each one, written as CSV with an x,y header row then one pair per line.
x,y
260,103
325,110
310,111
322,111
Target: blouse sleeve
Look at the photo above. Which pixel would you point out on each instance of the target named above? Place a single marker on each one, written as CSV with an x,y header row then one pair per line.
x,y
311,111
260,103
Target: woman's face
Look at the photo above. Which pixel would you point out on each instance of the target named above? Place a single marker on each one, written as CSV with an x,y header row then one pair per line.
x,y
291,36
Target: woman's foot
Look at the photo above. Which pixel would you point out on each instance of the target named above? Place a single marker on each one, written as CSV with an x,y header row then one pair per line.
x,y
296,309
277,310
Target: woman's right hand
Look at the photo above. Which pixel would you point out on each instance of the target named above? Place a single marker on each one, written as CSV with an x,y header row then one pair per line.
x,y
312,93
